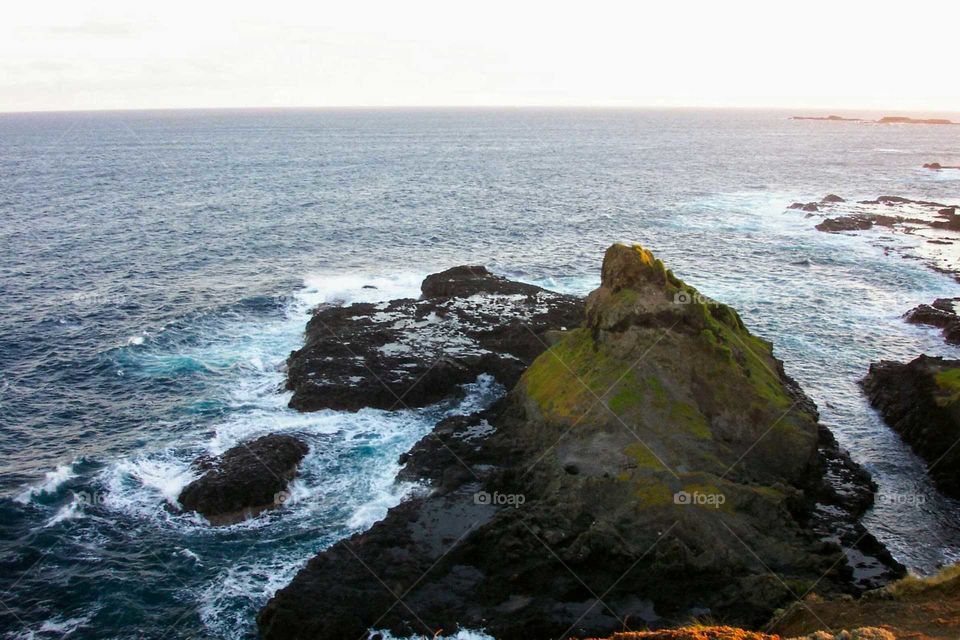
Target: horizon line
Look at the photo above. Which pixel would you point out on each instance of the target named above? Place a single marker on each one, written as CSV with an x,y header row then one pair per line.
x,y
635,107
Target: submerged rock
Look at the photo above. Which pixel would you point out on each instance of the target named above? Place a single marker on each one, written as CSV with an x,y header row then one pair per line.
x,y
411,353
246,480
657,455
920,400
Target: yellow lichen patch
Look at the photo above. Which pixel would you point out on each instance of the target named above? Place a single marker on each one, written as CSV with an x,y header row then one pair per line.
x,y
688,417
652,492
948,381
643,456
646,257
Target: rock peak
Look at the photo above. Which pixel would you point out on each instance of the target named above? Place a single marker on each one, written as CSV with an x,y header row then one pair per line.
x,y
630,266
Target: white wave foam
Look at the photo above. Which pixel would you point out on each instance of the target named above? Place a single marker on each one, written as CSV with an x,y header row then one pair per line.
x,y
349,288
70,511
56,627
140,484
50,484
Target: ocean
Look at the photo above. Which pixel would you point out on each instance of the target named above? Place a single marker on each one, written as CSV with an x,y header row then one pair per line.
x,y
158,267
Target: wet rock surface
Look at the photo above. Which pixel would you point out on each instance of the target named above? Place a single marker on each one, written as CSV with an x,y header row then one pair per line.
x,y
654,464
415,352
246,480
920,400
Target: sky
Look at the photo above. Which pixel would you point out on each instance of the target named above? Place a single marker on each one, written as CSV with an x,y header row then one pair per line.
x,y
841,54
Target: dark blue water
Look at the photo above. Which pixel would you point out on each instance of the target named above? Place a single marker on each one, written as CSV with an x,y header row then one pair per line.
x,y
157,267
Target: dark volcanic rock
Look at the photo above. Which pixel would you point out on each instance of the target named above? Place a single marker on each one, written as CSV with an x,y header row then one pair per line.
x,y
845,223
832,199
411,353
657,455
919,400
942,314
249,478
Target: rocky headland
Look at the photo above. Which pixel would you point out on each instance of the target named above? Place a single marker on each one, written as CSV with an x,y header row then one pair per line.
x,y
920,400
653,465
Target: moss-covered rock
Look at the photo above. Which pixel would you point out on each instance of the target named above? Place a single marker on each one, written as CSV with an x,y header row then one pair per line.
x,y
676,371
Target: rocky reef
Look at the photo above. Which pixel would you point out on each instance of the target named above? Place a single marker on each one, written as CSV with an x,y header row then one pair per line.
x,y
934,227
920,400
245,481
411,353
653,465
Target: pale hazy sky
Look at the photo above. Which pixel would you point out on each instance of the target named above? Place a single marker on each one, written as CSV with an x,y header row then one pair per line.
x,y
800,54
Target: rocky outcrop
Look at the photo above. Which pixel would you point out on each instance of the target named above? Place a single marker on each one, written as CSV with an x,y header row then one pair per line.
x,y
656,463
246,480
846,223
941,314
936,166
411,353
920,400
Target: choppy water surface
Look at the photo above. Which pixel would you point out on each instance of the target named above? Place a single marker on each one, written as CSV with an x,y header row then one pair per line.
x,y
157,268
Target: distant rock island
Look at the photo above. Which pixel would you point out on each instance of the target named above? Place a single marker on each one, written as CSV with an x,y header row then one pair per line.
x,y
883,120
829,118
